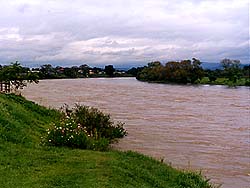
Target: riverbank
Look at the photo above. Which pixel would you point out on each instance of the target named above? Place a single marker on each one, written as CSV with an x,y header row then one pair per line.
x,y
26,163
193,127
205,81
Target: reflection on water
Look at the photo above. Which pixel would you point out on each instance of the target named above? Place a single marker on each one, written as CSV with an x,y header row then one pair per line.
x,y
197,127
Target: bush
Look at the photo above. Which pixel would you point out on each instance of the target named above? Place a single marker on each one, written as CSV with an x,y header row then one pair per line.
x,y
97,124
67,133
247,82
86,128
205,80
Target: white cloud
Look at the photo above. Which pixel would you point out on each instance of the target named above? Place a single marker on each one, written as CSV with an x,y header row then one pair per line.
x,y
121,31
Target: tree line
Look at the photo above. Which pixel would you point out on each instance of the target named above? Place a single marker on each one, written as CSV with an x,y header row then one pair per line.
x,y
15,76
47,71
191,72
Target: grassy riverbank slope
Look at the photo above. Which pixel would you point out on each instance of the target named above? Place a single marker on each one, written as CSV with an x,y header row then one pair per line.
x,y
24,162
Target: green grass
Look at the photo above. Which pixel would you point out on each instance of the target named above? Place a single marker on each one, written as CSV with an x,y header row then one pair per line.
x,y
226,81
24,162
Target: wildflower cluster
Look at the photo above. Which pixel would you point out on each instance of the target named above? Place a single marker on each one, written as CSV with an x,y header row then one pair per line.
x,y
85,128
67,133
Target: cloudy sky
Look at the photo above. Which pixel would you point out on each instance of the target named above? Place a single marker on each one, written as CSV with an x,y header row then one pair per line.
x,y
99,32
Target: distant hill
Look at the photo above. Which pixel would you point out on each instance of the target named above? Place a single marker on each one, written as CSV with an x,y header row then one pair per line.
x,y
211,66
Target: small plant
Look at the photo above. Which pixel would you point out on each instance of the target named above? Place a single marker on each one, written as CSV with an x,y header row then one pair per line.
x,y
86,128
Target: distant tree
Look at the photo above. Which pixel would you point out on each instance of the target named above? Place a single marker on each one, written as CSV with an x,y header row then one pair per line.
x,y
246,71
211,75
185,71
197,70
134,71
109,70
153,72
71,72
84,69
154,64
47,71
231,69
96,70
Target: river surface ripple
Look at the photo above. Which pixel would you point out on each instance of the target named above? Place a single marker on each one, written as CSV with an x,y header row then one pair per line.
x,y
193,127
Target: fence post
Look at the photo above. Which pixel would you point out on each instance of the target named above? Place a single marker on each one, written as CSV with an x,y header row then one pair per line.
x,y
8,87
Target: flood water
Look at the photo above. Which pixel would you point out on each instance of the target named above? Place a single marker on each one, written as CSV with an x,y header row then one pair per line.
x,y
192,127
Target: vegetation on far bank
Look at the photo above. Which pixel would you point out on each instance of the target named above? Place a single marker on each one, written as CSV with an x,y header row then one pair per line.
x,y
26,162
191,72
48,71
232,73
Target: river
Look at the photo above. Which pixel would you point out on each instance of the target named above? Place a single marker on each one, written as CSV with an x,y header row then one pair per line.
x,y
203,128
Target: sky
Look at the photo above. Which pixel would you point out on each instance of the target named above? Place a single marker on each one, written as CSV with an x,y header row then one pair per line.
x,y
122,32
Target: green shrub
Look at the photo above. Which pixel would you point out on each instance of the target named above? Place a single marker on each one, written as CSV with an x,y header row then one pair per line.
x,y
86,128
247,82
97,124
205,80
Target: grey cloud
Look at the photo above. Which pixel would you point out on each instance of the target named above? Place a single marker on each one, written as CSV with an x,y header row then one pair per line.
x,y
119,31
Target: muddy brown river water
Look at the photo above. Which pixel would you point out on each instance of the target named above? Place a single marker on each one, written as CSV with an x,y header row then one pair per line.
x,y
192,127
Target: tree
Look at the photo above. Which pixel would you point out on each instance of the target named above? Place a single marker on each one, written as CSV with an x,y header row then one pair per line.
x,y
153,72
178,72
71,72
154,64
197,71
109,70
231,69
84,69
134,71
17,76
246,71
185,71
47,71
